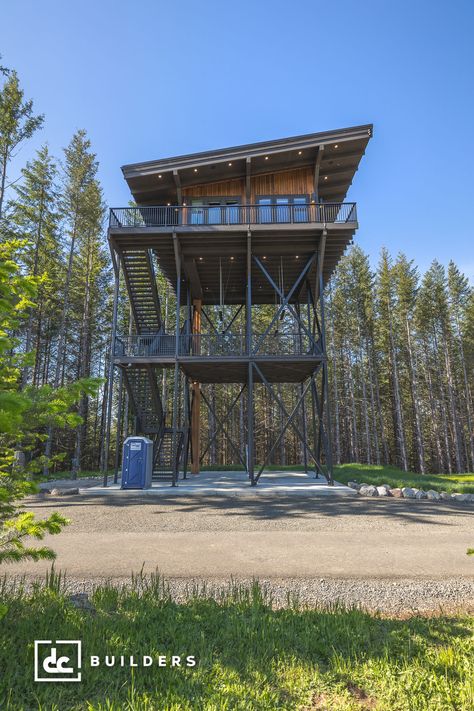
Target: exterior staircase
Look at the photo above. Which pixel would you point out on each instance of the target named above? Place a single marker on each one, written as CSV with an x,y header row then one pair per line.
x,y
166,460
140,280
141,382
145,399
144,394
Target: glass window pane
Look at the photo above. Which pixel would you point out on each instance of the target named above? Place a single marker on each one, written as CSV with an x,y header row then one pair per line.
x,y
265,209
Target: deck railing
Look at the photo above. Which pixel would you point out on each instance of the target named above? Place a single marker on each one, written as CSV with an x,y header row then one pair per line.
x,y
226,215
214,344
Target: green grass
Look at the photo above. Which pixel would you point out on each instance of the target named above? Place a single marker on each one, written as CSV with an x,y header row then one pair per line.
x,y
462,483
250,656
53,476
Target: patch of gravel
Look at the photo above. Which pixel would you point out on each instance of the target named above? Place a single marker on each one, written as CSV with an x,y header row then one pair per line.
x,y
400,597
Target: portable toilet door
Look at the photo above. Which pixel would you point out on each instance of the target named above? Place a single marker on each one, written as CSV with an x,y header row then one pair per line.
x,y
137,453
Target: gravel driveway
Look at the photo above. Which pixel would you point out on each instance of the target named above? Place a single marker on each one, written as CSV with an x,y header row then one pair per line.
x,y
393,555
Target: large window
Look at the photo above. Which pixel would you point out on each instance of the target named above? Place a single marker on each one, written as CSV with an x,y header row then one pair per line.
x,y
214,211
282,208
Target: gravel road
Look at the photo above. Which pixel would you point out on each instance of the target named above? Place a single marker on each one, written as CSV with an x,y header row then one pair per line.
x,y
392,555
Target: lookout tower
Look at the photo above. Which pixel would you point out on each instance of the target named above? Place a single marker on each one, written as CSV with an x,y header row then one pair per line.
x,y
246,238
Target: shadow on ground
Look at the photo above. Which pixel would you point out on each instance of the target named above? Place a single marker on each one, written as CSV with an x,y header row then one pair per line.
x,y
269,507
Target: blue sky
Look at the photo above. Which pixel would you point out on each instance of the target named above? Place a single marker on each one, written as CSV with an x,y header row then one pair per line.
x,y
149,79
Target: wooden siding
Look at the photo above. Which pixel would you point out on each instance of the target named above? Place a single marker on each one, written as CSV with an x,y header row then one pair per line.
x,y
232,188
298,181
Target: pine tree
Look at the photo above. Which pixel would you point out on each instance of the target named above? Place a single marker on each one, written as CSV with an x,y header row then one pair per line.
x,y
89,299
406,286
17,124
34,217
461,298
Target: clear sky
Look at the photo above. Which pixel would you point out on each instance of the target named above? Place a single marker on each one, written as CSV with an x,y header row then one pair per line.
x,y
149,79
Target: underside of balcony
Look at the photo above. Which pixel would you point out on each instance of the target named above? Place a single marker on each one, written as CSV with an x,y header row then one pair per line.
x,y
211,256
275,369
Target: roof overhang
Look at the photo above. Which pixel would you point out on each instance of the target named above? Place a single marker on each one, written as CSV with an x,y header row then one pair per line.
x,y
333,156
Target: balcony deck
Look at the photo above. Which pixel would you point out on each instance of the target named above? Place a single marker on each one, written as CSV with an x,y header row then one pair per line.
x,y
212,238
284,357
205,217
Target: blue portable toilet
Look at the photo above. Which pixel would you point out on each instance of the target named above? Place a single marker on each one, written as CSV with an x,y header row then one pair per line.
x,y
137,463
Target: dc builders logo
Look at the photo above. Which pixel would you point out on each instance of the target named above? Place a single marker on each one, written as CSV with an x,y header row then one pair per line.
x,y
58,661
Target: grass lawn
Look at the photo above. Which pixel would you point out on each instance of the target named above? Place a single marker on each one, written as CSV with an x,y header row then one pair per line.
x,y
249,655
463,483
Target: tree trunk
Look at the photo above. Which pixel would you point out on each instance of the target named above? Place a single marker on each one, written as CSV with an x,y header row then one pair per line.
x,y
400,432
415,400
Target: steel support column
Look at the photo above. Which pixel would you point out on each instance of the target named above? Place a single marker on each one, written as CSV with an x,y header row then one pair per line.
x,y
119,427
325,378
249,346
177,256
196,400
105,461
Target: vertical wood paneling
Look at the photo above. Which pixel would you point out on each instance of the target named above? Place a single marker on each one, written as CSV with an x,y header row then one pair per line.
x,y
287,182
298,181
232,188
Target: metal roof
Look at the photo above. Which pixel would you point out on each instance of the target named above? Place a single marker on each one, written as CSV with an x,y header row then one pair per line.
x,y
334,155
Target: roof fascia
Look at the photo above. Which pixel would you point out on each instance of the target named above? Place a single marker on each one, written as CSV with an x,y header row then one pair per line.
x,y
283,145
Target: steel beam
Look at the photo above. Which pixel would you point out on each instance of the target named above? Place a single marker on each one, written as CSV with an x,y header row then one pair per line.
x,y
177,256
222,425
105,461
285,412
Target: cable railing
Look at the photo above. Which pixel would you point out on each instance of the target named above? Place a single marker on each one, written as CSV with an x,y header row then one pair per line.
x,y
228,215
205,345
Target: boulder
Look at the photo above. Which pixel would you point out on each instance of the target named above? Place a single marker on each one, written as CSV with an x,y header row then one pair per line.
x,y
65,491
408,493
383,490
433,495
420,494
82,602
44,491
368,491
460,497
397,493
445,496
353,485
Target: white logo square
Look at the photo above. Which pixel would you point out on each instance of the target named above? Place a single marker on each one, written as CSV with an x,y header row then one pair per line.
x,y
57,661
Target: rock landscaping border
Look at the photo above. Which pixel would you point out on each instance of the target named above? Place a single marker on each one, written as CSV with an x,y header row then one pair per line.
x,y
408,492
